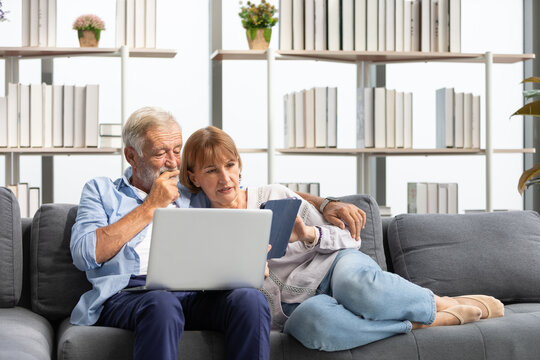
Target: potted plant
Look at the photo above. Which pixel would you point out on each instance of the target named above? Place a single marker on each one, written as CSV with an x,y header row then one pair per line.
x,y
532,175
88,29
258,22
2,13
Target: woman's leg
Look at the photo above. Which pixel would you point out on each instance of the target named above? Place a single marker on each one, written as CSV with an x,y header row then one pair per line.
x,y
322,323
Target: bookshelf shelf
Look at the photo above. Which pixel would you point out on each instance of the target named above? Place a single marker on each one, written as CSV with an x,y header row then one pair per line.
x,y
396,152
45,52
376,57
60,151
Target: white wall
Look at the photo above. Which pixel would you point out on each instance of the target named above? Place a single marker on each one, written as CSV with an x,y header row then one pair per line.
x,y
181,86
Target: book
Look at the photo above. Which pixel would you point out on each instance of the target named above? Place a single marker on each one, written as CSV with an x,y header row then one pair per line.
x,y
320,25
289,123
334,26
120,23
25,23
443,26
314,189
130,23
417,198
36,115
34,22
360,25
309,113
321,116
385,211
332,117
390,118
298,25
24,115
425,26
432,198
303,187
458,120
12,188
285,24
298,99
57,116
400,125
364,118
3,122
443,199
467,120
434,26
407,24
309,25
381,25
454,28
47,114
110,142
453,198
407,120
399,7
150,24
51,23
379,117
372,25
476,122
347,25
68,122
42,22
33,201
444,118
91,116
140,25
416,26
22,197
284,212
13,115
79,112
390,25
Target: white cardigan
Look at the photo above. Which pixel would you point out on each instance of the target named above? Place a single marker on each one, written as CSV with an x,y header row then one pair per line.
x,y
296,276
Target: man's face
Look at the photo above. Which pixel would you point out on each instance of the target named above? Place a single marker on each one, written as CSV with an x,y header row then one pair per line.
x,y
160,152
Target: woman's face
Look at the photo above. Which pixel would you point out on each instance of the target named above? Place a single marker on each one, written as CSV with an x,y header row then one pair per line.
x,y
220,180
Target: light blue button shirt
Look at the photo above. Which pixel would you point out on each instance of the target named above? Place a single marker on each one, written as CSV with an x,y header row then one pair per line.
x,y
102,203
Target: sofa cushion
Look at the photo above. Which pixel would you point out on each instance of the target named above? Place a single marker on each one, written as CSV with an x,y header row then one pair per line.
x,y
371,235
490,253
11,258
25,335
56,284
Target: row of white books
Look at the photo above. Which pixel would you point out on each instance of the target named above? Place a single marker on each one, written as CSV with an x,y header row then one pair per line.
x,y
384,118
313,188
110,135
28,197
370,25
457,119
38,23
136,23
41,115
432,198
310,118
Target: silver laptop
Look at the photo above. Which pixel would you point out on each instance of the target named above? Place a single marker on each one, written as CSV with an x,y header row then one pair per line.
x,y
207,249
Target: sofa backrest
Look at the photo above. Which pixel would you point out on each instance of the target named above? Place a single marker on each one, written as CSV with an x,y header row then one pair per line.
x,y
11,259
56,284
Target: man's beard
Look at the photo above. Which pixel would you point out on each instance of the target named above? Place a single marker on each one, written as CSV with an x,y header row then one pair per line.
x,y
147,176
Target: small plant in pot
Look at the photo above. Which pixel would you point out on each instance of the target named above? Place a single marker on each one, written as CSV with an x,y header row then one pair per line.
x,y
258,22
88,29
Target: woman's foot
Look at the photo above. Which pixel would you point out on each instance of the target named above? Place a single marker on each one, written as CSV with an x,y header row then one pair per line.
x,y
458,315
490,306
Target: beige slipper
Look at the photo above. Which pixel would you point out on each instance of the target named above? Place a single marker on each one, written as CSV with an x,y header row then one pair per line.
x,y
464,313
494,307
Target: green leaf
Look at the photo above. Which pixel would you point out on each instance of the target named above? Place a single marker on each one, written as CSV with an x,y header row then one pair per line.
x,y
252,33
97,33
267,34
531,93
530,109
535,79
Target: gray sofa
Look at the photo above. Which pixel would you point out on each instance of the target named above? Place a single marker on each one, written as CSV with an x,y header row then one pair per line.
x,y
496,254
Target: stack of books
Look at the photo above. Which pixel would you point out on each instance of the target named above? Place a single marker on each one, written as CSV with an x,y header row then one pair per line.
x,y
136,23
28,197
38,23
311,118
432,198
41,115
384,118
110,135
313,188
458,119
370,25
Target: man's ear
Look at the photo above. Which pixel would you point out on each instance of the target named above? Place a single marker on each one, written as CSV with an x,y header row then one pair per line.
x,y
131,155
193,178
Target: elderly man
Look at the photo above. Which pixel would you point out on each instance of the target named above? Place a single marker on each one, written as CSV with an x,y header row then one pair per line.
x,y
111,238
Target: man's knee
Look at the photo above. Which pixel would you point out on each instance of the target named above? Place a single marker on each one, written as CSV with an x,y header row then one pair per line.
x,y
249,303
161,306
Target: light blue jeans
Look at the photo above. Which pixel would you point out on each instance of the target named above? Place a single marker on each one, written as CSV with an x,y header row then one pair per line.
x,y
359,303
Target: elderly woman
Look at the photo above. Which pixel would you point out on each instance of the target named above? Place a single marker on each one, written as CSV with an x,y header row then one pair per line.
x,y
323,291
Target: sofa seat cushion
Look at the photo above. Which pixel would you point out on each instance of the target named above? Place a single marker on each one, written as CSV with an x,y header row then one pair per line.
x,y
25,335
491,253
11,255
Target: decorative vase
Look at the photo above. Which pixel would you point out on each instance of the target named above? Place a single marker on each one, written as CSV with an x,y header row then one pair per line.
x,y
258,39
88,38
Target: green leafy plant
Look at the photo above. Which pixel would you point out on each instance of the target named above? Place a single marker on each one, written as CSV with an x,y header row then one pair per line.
x,y
258,17
89,22
532,175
